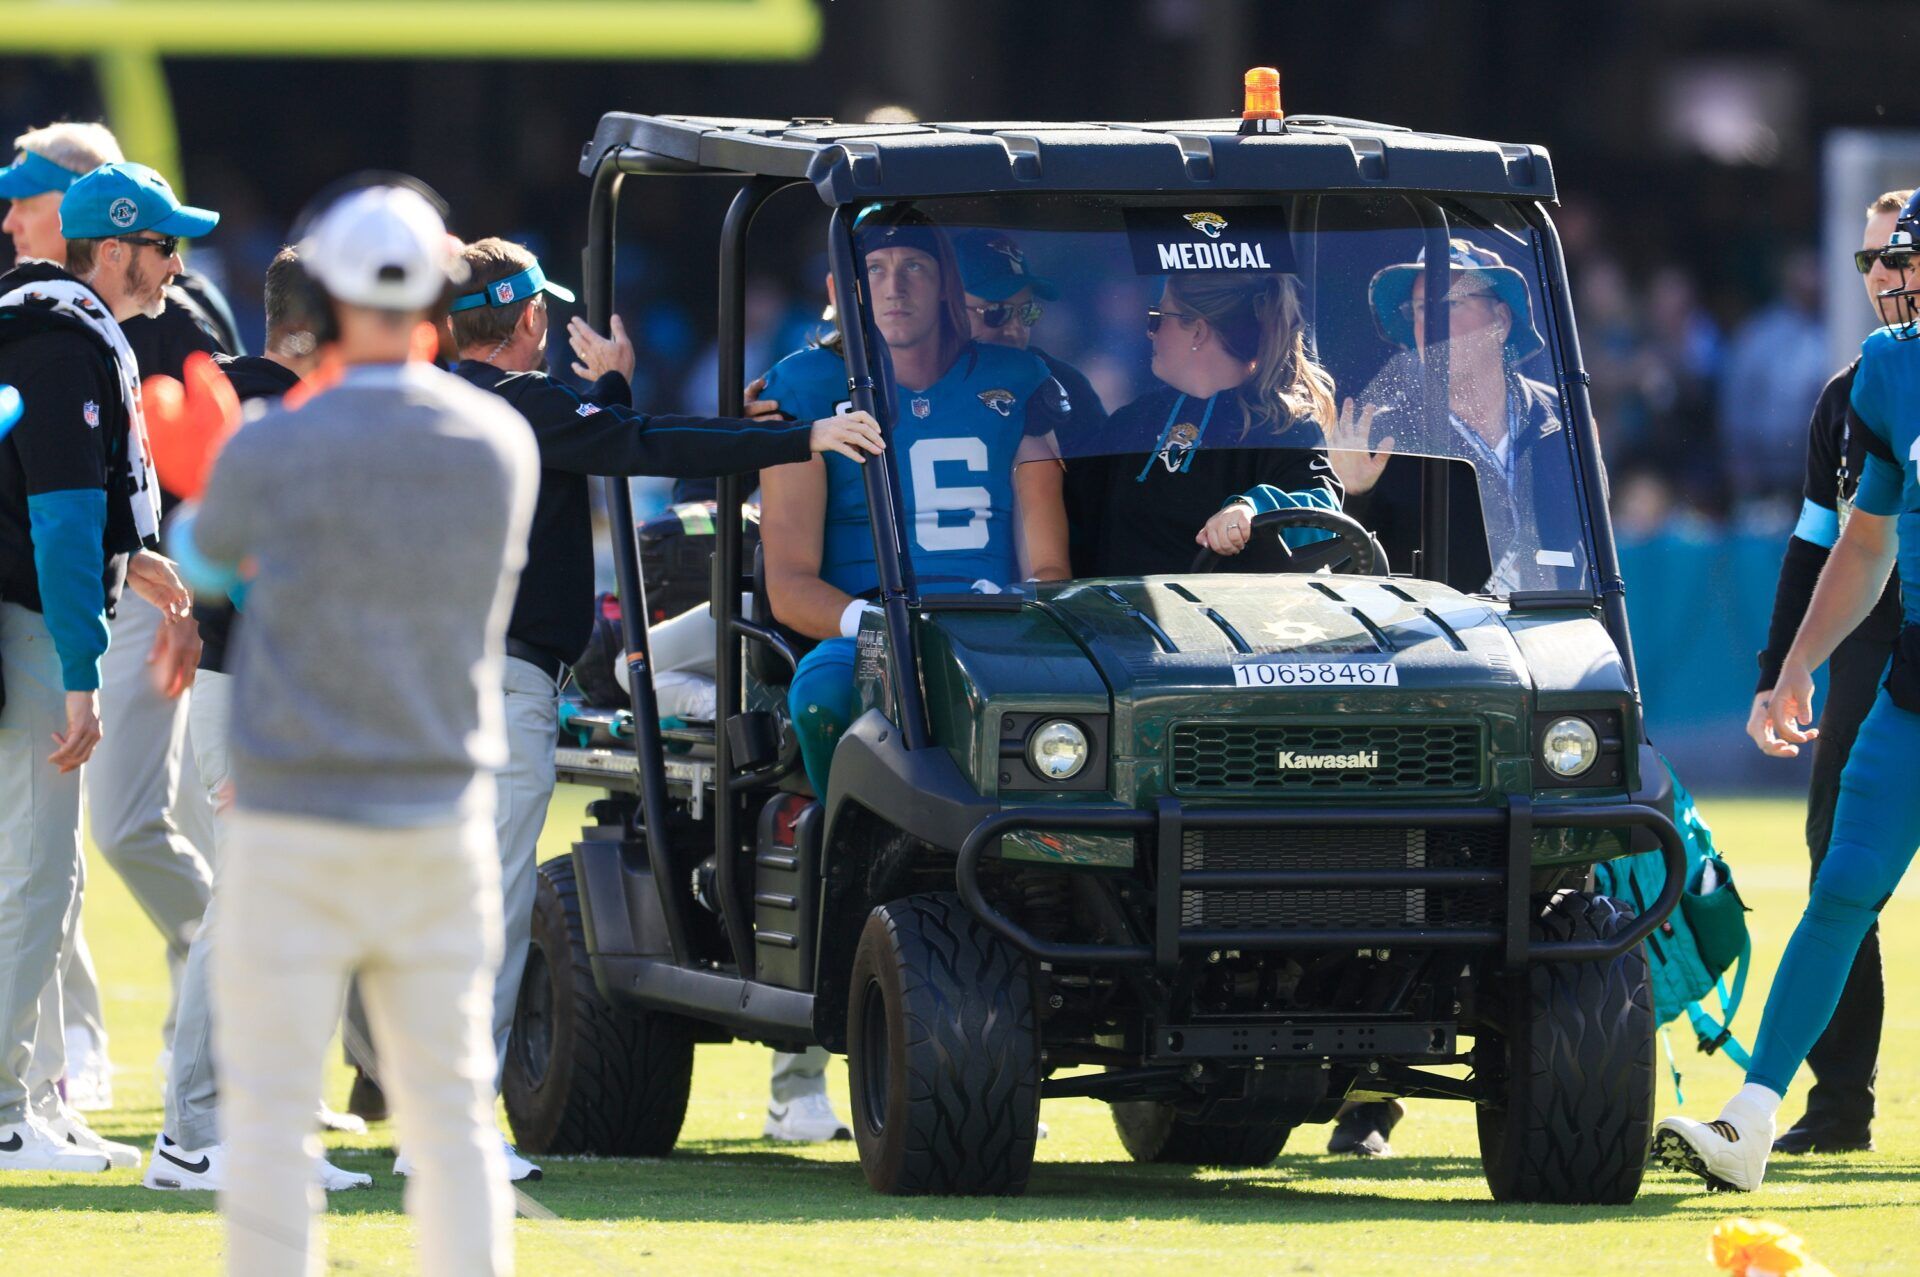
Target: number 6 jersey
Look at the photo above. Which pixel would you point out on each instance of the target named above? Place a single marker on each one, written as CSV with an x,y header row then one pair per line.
x,y
954,446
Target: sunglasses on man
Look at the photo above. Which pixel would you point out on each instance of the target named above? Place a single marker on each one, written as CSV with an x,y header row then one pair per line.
x,y
1894,259
165,245
999,314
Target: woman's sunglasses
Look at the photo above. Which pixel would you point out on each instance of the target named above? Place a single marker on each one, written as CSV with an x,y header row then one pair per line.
x,y
1894,259
996,314
1155,315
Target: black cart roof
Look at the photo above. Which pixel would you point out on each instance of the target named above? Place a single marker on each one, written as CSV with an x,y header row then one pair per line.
x,y
849,163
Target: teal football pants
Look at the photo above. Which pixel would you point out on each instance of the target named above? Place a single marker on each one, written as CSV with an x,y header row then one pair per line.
x,y
822,704
1875,831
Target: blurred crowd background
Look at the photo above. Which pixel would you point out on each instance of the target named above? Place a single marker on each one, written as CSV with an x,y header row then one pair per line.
x,y
1700,146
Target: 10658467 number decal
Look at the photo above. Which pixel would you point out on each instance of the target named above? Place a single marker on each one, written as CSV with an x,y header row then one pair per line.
x,y
1315,674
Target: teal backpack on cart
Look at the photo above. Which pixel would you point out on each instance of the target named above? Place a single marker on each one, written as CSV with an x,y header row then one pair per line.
x,y
1693,950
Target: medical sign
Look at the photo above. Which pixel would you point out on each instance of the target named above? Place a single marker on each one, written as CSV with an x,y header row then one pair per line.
x,y
1195,241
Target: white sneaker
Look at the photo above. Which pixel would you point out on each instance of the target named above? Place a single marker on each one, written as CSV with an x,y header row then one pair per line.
x,y
807,1120
205,1169
63,1123
519,1169
336,1180
89,1072
1730,1153
29,1146
186,1169
346,1123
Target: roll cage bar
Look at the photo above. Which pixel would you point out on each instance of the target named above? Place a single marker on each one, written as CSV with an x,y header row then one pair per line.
x,y
848,164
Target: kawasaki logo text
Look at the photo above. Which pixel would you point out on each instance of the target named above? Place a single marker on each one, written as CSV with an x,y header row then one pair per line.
x,y
1292,762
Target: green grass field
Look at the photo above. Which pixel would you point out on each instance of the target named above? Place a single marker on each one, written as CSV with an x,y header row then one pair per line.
x,y
728,1201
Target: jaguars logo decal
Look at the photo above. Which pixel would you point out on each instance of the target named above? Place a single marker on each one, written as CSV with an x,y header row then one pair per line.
x,y
1208,224
1001,401
1179,445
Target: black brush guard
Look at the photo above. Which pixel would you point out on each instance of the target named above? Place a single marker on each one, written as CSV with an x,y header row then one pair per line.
x,y
1169,820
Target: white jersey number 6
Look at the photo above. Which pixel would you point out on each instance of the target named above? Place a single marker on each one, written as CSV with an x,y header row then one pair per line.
x,y
931,500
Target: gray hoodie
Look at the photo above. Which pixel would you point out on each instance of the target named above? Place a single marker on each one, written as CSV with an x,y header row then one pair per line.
x,y
385,522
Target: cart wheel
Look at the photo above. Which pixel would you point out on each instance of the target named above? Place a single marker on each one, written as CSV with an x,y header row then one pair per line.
x,y
1568,1117
581,1075
1153,1132
943,1053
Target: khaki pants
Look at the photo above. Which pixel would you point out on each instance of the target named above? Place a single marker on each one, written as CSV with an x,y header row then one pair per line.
x,y
415,912
39,858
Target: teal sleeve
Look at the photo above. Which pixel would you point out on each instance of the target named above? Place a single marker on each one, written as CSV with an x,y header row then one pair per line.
x,y
1265,497
204,575
69,531
1881,483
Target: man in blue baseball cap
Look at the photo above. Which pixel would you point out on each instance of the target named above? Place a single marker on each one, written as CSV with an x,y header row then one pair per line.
x,y
79,513
114,216
156,834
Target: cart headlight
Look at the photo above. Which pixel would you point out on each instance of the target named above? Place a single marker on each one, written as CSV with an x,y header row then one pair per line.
x,y
1057,750
1569,746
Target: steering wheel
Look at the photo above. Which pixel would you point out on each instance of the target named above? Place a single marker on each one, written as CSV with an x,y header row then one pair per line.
x,y
1354,545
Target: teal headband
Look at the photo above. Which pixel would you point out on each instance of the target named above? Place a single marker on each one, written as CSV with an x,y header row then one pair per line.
x,y
514,288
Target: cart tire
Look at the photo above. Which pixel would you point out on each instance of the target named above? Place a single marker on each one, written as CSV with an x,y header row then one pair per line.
x,y
581,1075
943,1053
1569,1114
1154,1132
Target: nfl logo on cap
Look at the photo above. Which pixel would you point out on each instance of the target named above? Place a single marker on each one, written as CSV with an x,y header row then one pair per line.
x,y
91,411
504,291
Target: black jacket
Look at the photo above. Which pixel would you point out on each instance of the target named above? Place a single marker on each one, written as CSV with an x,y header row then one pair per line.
x,y
1134,508
602,434
1837,444
72,434
254,378
1542,495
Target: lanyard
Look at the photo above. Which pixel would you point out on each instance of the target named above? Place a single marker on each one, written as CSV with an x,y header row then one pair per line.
x,y
1509,467
1166,431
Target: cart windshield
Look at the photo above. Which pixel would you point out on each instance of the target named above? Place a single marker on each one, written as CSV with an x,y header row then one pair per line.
x,y
1077,385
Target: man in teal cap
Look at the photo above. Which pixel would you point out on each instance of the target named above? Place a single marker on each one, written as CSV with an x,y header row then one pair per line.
x,y
79,510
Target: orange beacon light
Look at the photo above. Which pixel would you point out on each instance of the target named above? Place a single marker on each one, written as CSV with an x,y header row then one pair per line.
x,y
1263,95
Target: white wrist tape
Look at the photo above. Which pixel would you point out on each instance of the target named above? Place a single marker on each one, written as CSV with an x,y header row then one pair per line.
x,y
850,619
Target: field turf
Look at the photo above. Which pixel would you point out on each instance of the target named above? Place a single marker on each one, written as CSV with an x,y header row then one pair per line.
x,y
727,1201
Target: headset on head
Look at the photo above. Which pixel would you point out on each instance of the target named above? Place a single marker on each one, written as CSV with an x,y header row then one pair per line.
x,y
311,301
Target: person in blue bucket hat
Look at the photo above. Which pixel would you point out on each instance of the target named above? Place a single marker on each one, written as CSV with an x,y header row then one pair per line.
x,y
1506,534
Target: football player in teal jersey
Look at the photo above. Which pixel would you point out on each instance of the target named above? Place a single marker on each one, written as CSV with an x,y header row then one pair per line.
x,y
1876,826
979,470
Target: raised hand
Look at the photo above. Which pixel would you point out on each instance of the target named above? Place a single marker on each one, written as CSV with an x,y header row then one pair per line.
x,y
1351,451
599,355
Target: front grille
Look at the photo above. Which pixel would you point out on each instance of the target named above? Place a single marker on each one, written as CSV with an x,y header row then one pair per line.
x,y
1423,758
1333,849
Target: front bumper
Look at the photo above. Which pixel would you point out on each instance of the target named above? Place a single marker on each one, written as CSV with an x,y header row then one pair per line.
x,y
1518,818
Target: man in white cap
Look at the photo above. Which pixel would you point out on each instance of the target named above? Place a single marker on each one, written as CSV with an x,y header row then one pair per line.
x,y
365,729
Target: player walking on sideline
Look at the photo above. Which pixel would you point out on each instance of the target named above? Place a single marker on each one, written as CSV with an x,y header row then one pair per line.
x,y
1839,1116
1876,825
365,728
77,498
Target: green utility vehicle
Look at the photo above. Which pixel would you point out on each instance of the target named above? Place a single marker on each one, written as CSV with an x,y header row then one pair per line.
x,y
1224,846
